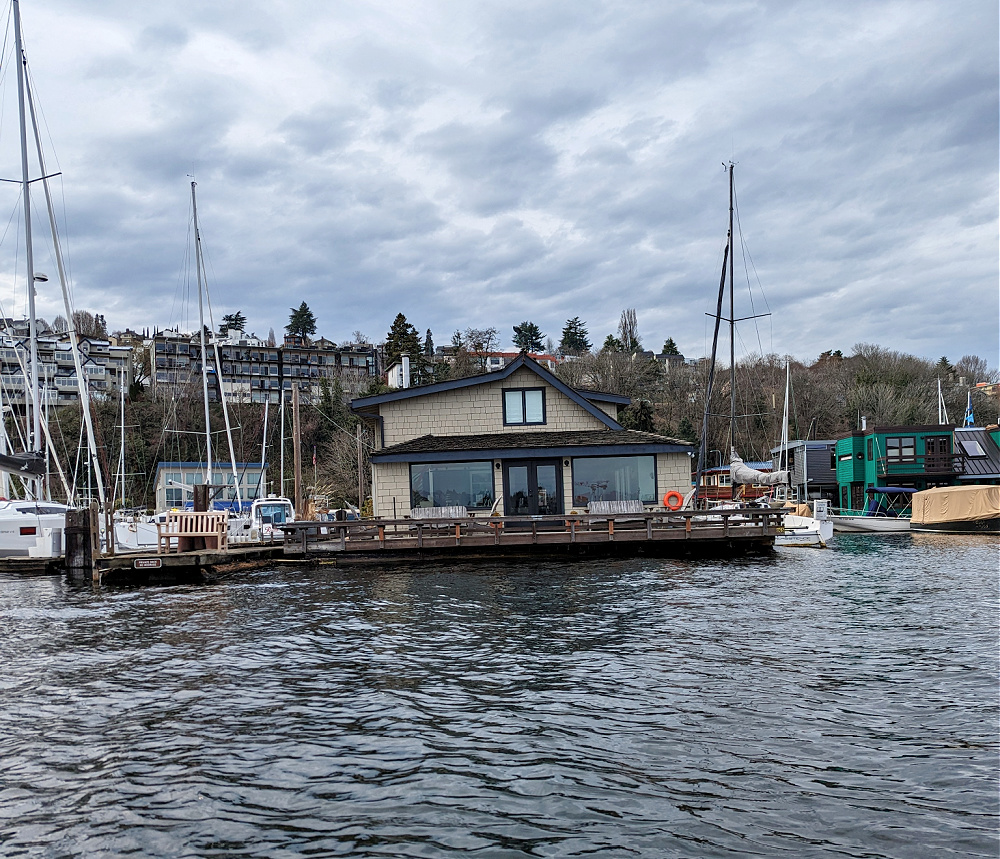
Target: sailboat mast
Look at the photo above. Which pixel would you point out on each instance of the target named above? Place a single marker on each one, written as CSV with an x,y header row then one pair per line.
x,y
732,322
204,348
36,416
81,379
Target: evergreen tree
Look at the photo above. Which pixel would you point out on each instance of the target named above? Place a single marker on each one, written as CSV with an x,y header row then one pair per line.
x,y
403,339
670,348
301,322
428,344
612,344
638,416
233,322
528,337
574,340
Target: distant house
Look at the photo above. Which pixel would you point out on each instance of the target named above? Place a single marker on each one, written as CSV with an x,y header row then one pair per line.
x,y
518,441
175,482
812,467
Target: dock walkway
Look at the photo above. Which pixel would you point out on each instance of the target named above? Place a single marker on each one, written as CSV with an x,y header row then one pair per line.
x,y
729,532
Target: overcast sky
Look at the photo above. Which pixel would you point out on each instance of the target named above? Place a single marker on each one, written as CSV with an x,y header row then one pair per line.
x,y
485,163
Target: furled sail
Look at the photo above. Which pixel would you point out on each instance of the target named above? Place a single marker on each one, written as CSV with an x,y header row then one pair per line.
x,y
31,464
740,472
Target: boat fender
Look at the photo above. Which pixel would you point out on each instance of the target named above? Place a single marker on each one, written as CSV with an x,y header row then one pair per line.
x,y
673,500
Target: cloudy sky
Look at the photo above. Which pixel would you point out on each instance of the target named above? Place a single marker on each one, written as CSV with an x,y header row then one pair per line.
x,y
485,163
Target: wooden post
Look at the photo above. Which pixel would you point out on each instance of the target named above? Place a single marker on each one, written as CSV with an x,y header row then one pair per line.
x,y
79,545
296,447
201,491
361,479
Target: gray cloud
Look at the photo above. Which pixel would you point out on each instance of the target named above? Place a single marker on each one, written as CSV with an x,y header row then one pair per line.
x,y
485,164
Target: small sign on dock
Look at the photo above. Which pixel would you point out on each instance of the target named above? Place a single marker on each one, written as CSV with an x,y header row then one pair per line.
x,y
147,564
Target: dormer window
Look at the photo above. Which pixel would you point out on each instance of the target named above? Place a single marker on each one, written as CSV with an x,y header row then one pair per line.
x,y
524,406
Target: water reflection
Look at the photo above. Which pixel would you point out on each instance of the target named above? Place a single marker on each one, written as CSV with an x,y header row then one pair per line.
x,y
827,703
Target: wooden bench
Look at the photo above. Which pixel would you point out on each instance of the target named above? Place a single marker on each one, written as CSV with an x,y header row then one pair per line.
x,y
191,531
615,507
439,513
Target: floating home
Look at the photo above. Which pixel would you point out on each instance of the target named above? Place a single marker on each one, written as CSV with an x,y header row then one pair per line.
x,y
514,442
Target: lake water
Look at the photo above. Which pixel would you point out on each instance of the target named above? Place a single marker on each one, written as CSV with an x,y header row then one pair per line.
x,y
813,703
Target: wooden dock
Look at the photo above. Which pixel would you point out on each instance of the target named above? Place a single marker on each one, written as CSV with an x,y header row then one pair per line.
x,y
727,533
674,534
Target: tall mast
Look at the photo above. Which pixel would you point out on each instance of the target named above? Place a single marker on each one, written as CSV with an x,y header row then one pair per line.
x,y
732,322
204,349
83,387
35,399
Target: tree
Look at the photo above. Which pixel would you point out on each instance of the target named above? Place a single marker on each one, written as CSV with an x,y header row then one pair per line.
x,y
638,416
574,337
528,337
271,341
670,348
88,325
60,325
233,322
628,332
429,344
301,322
480,342
612,344
403,339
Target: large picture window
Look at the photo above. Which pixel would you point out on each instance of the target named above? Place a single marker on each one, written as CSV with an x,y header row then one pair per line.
x,y
524,406
452,484
614,478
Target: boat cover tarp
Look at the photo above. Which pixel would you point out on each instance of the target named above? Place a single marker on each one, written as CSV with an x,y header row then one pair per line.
x,y
956,504
740,472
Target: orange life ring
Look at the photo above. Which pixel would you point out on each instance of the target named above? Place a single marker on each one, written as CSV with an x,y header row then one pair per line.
x,y
673,500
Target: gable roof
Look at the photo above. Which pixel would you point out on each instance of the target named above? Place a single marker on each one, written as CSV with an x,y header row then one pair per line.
x,y
522,360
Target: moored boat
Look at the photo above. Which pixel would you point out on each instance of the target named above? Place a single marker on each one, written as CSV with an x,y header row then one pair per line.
x,y
887,511
957,509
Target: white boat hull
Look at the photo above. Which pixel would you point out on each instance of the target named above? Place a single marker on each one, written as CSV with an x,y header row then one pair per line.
x,y
870,524
804,532
27,533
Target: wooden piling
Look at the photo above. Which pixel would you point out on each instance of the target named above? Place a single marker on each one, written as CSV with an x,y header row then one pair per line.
x,y
79,545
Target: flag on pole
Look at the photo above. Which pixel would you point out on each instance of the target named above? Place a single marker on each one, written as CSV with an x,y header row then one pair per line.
x,y
969,419
314,456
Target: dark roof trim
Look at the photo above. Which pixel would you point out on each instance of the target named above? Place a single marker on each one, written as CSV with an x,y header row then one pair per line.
x,y
568,451
602,397
520,361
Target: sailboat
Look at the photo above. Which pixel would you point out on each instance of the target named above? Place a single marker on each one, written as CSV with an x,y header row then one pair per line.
x,y
799,529
34,526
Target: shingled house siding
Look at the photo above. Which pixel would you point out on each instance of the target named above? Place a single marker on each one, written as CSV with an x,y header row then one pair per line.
x,y
673,473
393,481
479,409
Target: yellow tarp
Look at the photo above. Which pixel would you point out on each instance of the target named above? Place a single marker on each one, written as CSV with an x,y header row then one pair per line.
x,y
956,504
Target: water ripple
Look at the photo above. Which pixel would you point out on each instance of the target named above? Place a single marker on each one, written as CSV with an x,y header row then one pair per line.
x,y
839,703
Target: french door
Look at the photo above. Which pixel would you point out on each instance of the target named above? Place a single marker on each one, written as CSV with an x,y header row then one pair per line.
x,y
533,487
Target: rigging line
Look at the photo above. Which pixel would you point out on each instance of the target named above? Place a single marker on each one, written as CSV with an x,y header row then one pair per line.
x,y
744,251
351,433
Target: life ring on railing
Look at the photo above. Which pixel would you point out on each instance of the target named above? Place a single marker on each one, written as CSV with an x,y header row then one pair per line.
x,y
673,500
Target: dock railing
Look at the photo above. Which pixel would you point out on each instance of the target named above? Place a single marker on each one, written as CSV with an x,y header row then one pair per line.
x,y
376,535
